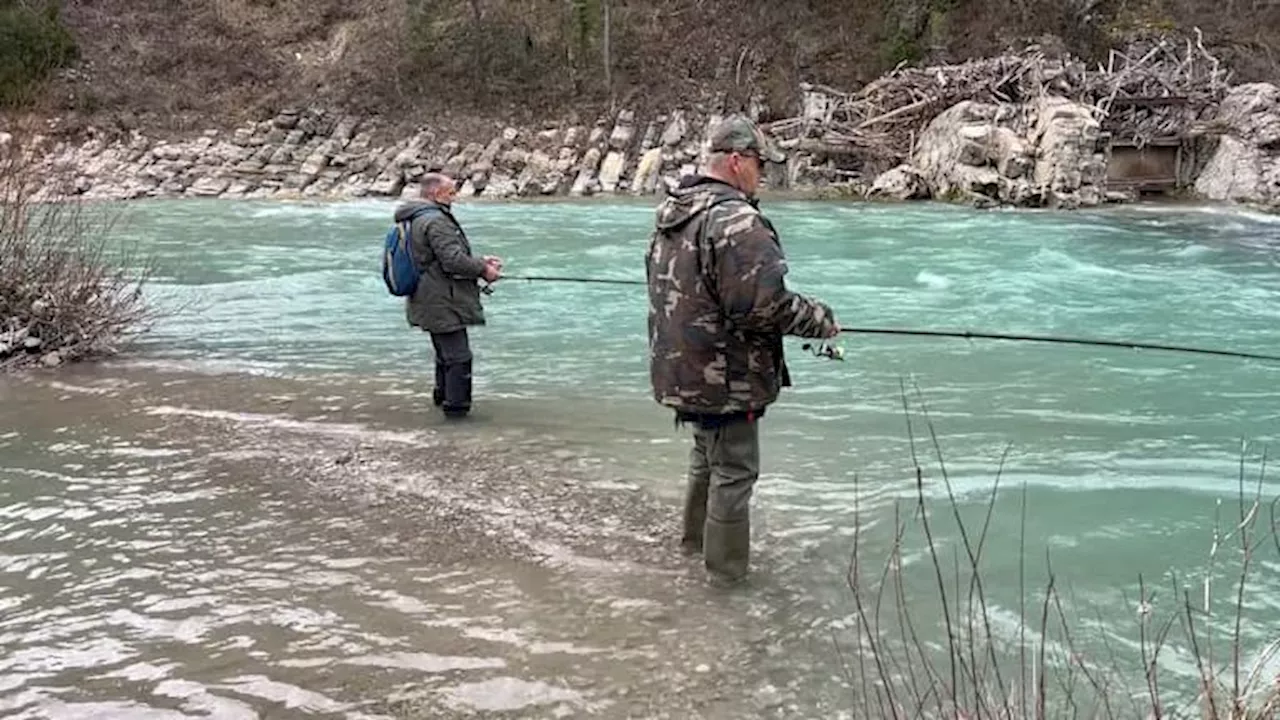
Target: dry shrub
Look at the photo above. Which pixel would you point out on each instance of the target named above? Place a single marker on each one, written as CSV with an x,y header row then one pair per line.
x,y
65,296
1059,661
33,44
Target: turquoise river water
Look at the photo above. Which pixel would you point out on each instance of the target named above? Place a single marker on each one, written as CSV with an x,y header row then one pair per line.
x,y
1125,456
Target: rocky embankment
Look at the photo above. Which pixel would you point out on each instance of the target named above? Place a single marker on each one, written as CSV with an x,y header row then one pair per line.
x,y
1022,130
313,153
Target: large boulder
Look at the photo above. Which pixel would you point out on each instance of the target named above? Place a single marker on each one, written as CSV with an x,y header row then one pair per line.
x,y
962,151
1044,154
1245,167
1069,170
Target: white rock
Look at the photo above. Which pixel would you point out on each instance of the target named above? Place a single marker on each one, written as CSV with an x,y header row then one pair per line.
x,y
209,187
1065,137
553,183
388,183
591,160
1235,173
583,184
500,185
1245,167
647,172
900,183
974,152
611,171
534,175
623,132
676,129
314,164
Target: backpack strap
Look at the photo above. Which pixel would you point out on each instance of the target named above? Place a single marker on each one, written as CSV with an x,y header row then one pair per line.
x,y
408,224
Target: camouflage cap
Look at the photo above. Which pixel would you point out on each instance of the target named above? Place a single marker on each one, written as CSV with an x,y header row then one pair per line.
x,y
737,133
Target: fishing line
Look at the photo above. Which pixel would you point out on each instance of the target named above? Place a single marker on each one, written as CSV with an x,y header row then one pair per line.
x,y
835,353
968,334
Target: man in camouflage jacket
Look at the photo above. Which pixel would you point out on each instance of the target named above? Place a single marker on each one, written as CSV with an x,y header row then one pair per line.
x,y
718,310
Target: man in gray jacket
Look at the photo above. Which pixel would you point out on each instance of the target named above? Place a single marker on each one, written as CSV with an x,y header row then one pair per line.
x,y
447,300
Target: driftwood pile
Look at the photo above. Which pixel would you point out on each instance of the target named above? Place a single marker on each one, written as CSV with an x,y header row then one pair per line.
x,y
1157,87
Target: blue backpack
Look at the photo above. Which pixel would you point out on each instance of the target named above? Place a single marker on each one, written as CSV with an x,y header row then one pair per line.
x,y
399,269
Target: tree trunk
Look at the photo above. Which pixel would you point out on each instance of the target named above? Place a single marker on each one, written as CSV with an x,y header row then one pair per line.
x,y
477,52
607,50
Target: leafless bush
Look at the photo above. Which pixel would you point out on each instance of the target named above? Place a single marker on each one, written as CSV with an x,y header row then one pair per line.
x,y
65,295
1054,667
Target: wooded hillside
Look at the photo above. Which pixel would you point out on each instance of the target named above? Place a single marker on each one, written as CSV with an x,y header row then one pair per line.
x,y
189,64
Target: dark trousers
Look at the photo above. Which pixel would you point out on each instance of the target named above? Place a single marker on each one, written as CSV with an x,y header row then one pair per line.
x,y
724,465
452,392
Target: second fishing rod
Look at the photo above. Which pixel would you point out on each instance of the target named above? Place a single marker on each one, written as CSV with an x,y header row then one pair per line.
x,y
836,354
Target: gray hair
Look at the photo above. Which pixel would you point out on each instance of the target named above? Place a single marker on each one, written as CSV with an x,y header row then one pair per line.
x,y
432,182
716,159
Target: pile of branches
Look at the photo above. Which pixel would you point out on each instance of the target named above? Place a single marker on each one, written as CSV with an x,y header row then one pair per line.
x,y
879,123
1159,87
63,296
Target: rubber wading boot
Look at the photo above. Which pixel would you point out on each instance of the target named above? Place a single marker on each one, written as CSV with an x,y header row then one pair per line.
x,y
727,551
695,513
457,390
437,393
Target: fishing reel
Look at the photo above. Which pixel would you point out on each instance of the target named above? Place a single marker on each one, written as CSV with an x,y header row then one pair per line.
x,y
825,350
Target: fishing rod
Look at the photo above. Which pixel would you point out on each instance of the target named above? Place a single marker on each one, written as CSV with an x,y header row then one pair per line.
x,y
836,353
1128,344
561,278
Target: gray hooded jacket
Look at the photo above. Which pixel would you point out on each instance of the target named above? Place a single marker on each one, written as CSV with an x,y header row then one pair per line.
x,y
448,295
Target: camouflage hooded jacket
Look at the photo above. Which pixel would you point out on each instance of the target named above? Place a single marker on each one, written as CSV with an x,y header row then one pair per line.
x,y
718,305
